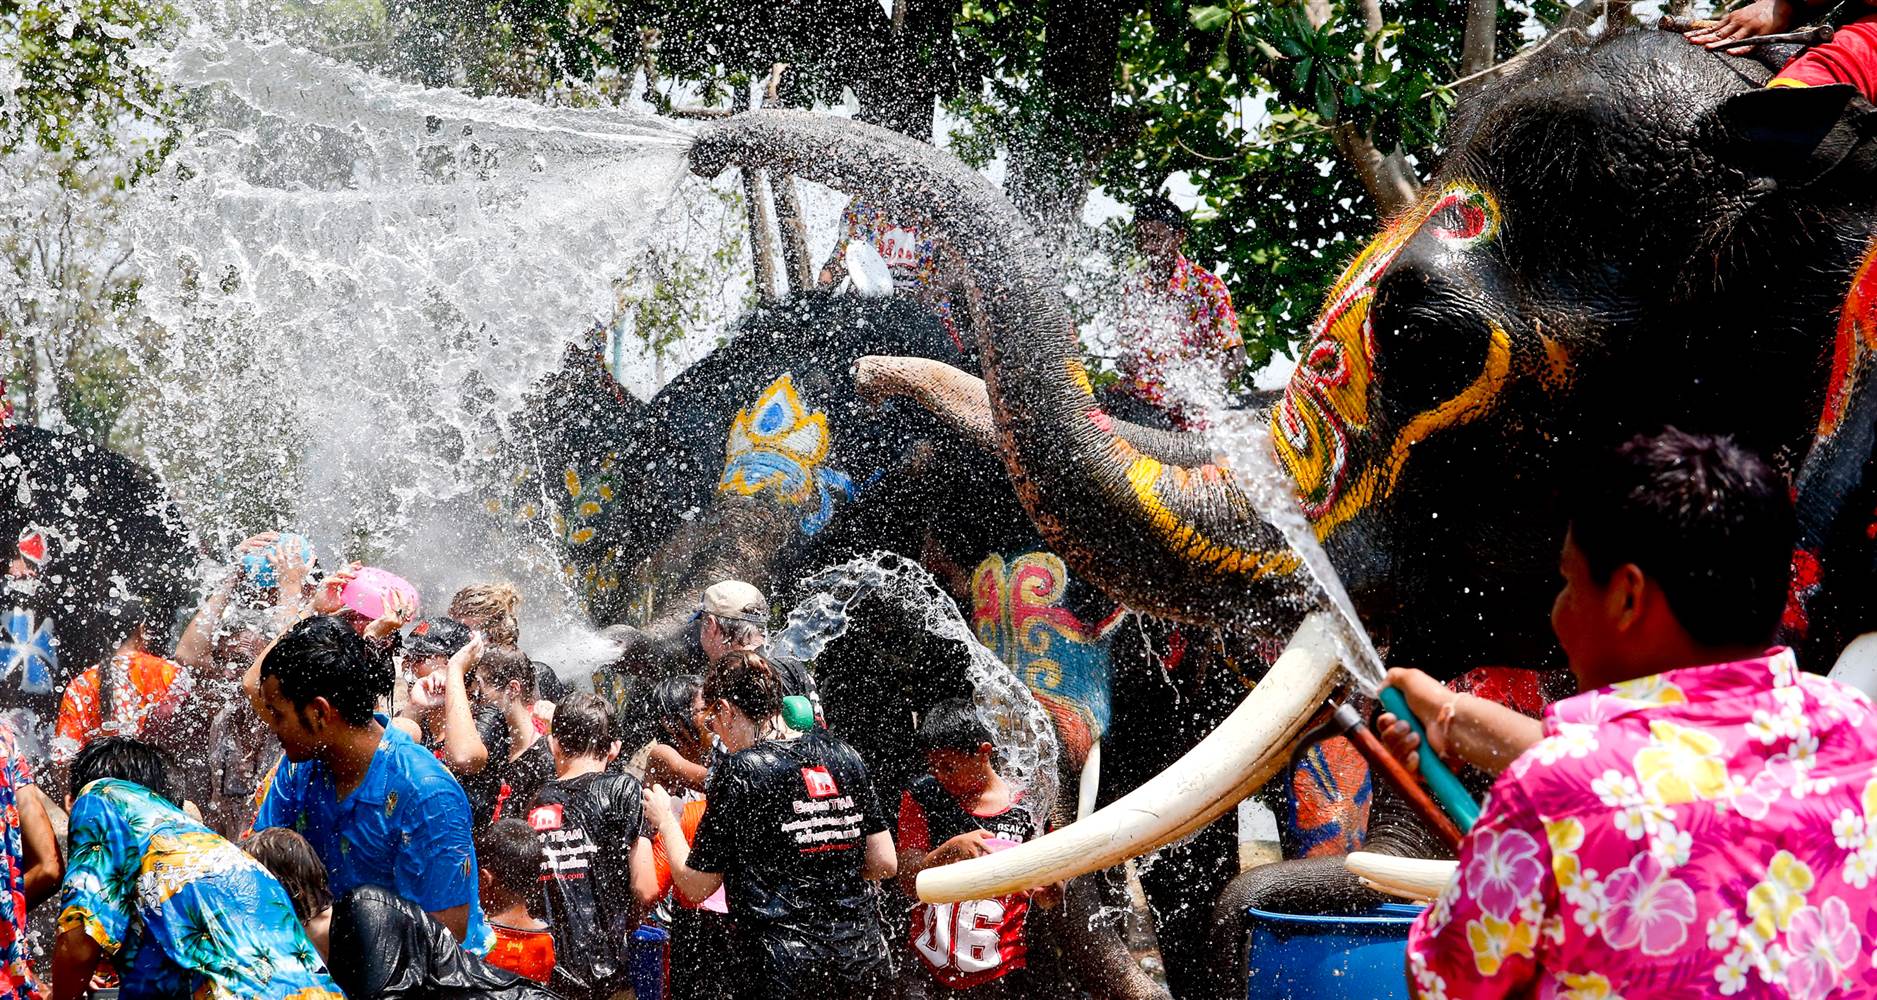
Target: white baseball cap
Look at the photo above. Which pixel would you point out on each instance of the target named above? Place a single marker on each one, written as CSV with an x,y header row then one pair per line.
x,y
737,601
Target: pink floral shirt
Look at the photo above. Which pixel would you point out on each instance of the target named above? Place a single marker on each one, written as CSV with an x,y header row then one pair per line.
x,y
1200,309
1706,832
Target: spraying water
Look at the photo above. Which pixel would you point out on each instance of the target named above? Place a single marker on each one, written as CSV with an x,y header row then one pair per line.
x,y
1026,738
1196,386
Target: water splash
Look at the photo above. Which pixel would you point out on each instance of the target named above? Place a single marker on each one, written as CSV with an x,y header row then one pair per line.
x,y
1026,738
1196,385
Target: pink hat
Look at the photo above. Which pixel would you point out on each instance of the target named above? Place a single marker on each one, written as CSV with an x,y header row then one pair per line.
x,y
370,587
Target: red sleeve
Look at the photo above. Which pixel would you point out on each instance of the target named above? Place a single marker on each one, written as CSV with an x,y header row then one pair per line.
x,y
913,834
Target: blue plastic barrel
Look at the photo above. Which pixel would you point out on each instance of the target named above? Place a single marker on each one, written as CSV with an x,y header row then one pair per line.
x,y
1356,957
651,956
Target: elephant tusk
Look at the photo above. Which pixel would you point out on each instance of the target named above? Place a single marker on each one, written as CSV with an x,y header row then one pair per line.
x,y
1090,784
1231,763
1409,878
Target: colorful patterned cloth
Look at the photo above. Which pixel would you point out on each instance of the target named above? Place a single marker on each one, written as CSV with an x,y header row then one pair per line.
x,y
178,910
405,827
141,683
16,975
1199,306
1705,832
911,257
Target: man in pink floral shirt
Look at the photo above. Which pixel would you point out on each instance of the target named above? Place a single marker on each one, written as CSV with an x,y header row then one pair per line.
x,y
1702,822
1181,316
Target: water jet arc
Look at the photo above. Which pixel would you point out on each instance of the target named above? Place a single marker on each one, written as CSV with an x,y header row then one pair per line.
x,y
1231,763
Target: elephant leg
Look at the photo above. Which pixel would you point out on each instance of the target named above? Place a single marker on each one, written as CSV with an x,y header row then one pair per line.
x,y
1079,942
1181,885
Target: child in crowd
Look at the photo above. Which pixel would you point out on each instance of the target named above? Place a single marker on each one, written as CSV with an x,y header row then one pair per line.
x,y
597,873
291,860
962,809
794,833
510,853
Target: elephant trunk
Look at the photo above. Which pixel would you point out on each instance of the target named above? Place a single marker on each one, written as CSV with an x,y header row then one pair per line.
x,y
1179,540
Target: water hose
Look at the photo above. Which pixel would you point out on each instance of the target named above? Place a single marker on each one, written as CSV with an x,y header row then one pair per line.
x,y
1442,782
1349,722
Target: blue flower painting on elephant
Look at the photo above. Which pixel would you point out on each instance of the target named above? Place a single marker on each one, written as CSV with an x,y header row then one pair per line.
x,y
1020,611
781,447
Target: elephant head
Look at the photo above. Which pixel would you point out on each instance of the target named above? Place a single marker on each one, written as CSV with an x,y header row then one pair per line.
x,y
1622,234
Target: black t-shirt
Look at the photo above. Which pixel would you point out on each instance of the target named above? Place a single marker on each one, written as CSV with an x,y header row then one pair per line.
x,y
517,780
588,826
787,827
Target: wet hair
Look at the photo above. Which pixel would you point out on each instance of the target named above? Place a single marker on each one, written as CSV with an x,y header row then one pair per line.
x,y
1708,521
1161,209
953,724
321,657
671,699
122,758
583,724
510,850
501,664
736,631
744,679
292,861
492,606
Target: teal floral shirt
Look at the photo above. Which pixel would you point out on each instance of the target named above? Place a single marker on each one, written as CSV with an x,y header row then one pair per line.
x,y
179,910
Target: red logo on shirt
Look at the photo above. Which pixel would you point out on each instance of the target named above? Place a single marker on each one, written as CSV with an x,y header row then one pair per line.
x,y
545,818
33,547
820,783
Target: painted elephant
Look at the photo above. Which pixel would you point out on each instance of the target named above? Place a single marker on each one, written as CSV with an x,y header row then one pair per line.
x,y
767,461
1622,234
89,526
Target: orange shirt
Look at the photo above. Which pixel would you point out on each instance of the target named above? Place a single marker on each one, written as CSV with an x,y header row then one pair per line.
x,y
692,815
144,682
525,953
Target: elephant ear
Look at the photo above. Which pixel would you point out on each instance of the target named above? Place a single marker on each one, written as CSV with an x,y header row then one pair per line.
x,y
1791,136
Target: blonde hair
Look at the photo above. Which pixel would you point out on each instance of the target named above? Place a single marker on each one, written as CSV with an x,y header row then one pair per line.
x,y
489,607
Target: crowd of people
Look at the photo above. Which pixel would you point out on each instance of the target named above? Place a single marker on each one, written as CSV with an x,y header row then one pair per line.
x,y
315,792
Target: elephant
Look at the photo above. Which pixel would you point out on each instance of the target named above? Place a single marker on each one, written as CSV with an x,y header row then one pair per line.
x,y
1622,234
95,527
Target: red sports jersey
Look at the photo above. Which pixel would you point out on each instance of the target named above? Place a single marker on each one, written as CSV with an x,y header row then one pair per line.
x,y
973,942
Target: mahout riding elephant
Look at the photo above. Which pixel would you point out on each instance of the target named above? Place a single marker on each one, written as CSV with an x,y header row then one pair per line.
x,y
1622,234
89,527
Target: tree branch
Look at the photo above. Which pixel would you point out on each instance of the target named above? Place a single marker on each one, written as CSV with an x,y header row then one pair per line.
x,y
1387,178
1476,43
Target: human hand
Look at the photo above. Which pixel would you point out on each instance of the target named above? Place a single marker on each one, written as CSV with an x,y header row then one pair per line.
x,y
327,599
469,655
427,693
1426,697
398,610
254,543
290,569
658,807
967,845
1762,17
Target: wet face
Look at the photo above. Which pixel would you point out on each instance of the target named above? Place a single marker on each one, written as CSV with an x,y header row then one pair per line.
x,y
1157,241
710,639
958,772
301,729
423,666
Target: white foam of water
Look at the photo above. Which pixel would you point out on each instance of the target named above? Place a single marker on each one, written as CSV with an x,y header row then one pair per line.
x,y
1026,738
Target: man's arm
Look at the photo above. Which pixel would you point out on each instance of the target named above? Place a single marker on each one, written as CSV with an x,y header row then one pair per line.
x,y
463,749
1482,733
881,862
436,868
74,959
39,847
645,891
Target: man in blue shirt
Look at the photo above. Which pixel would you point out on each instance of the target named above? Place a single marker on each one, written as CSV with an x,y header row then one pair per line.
x,y
377,808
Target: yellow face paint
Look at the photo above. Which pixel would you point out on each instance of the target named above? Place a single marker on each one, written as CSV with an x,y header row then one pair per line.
x,y
1325,412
